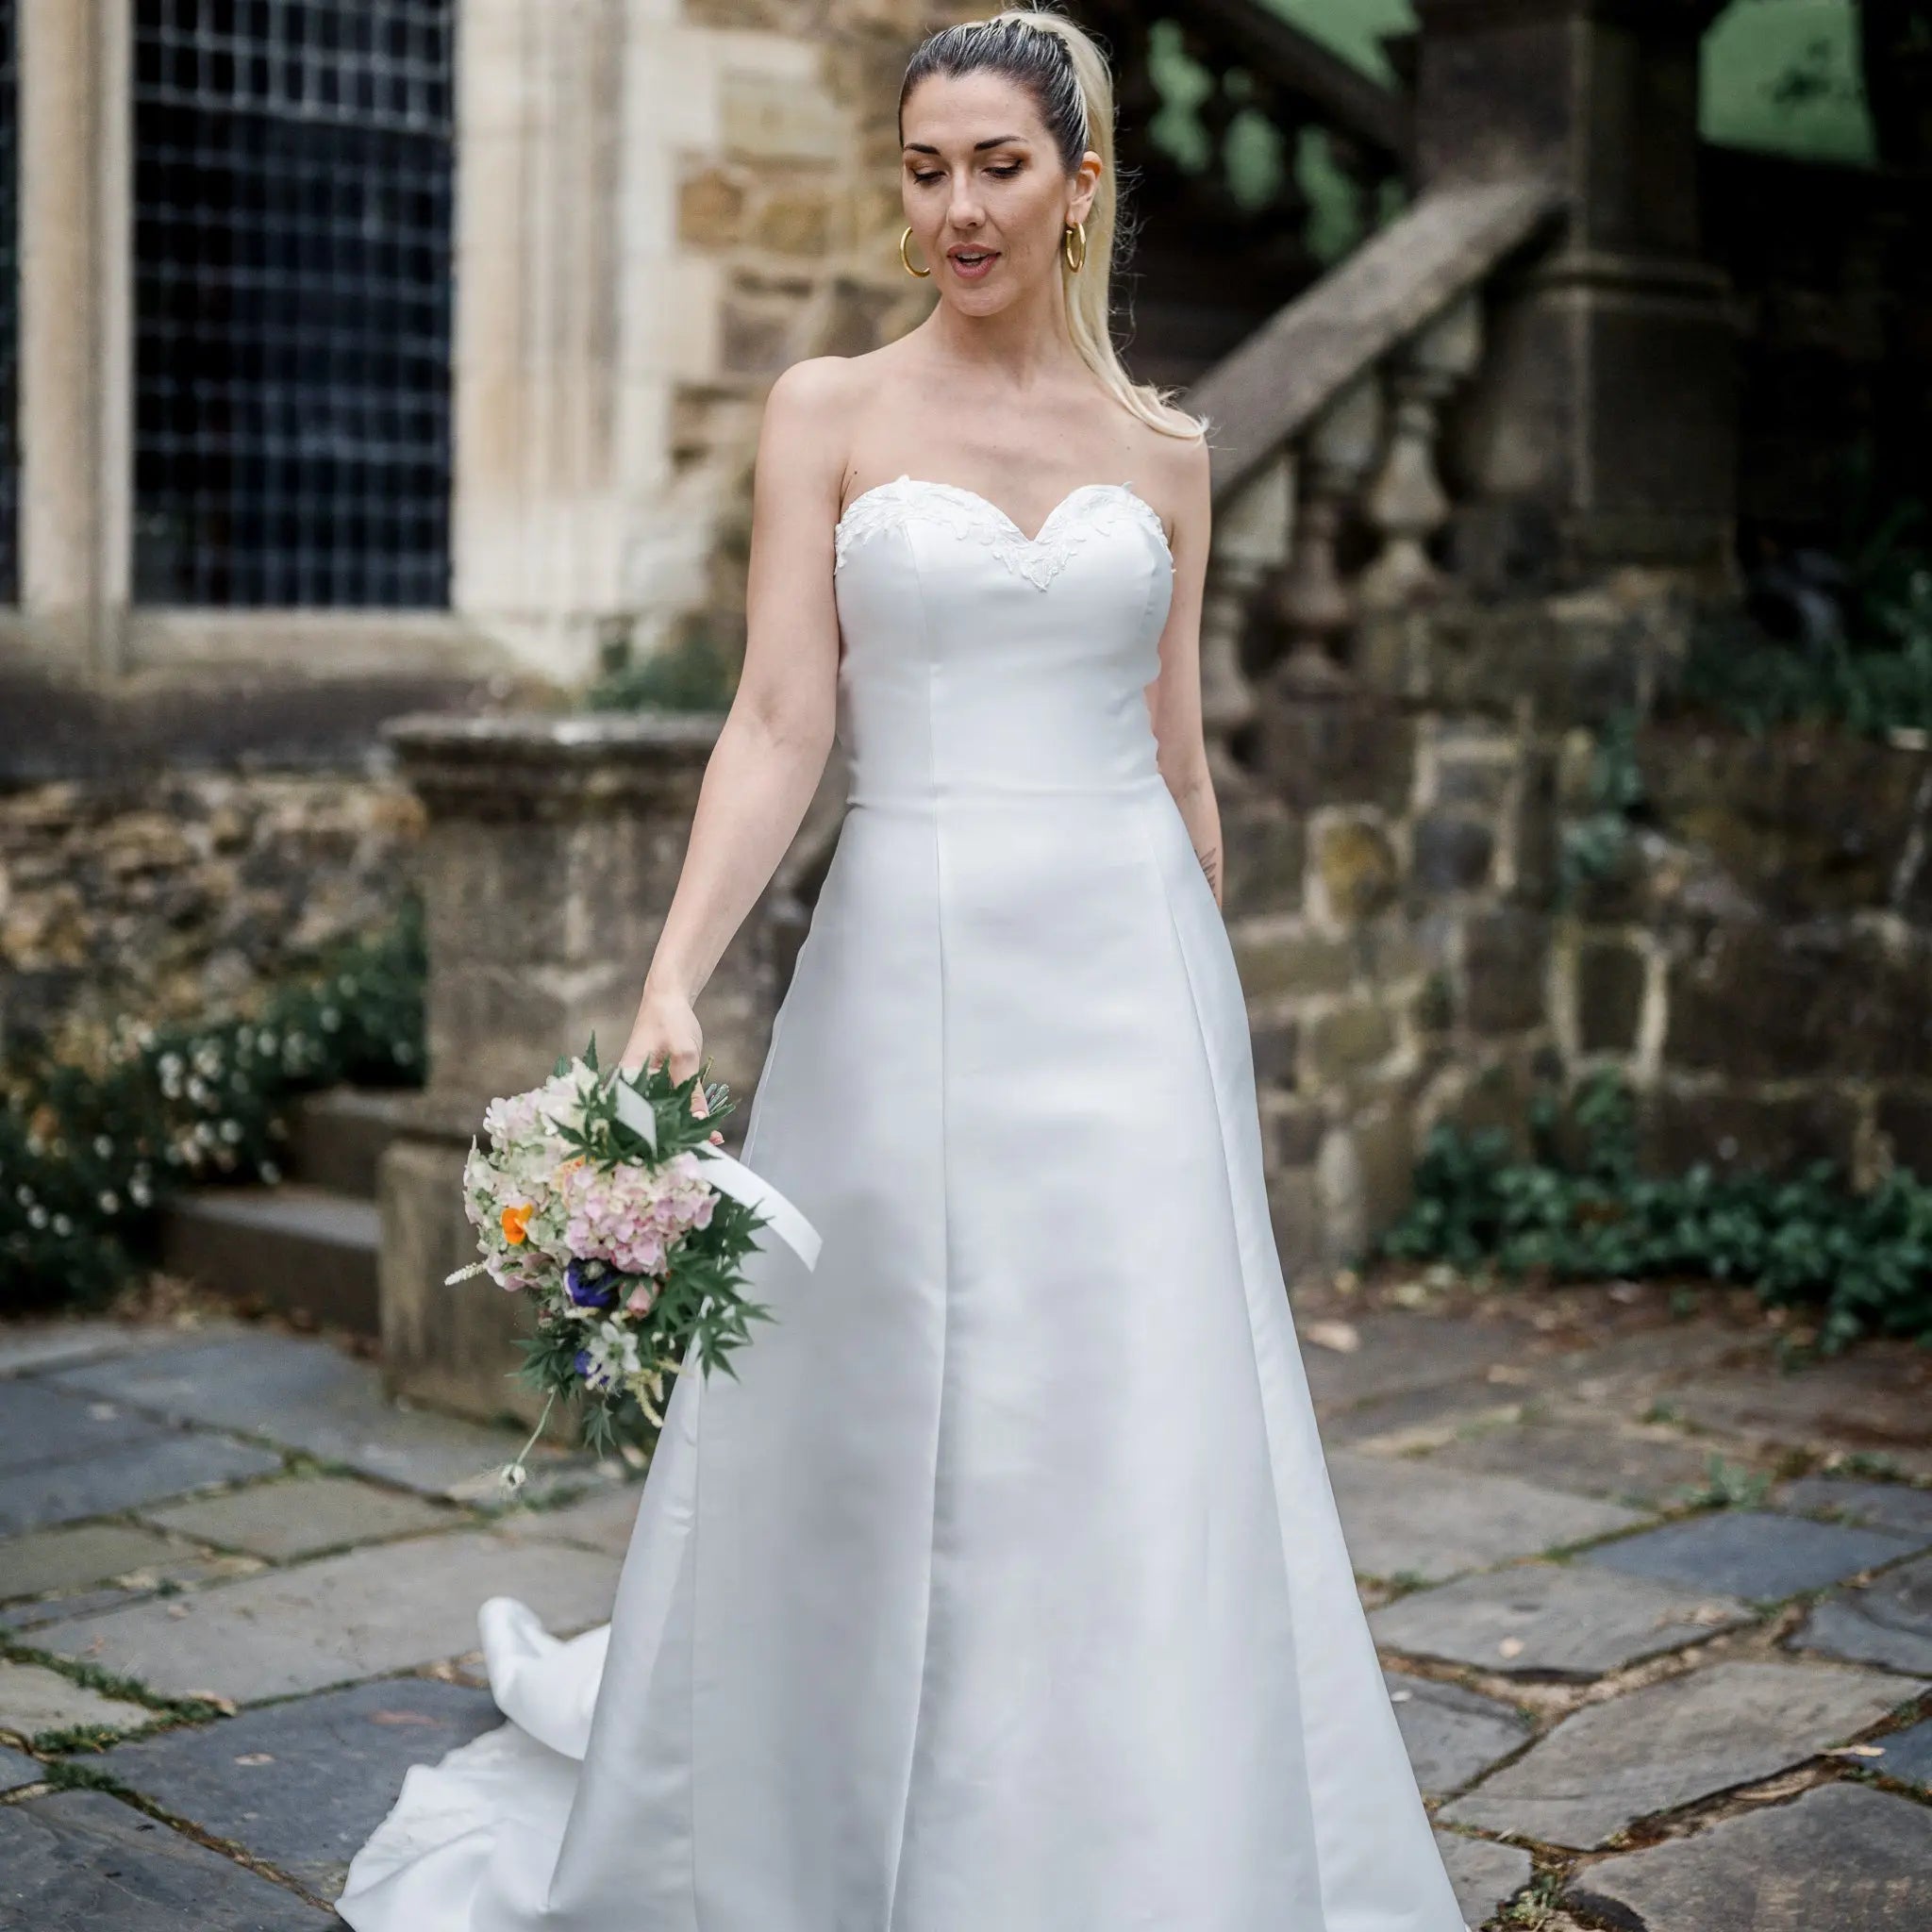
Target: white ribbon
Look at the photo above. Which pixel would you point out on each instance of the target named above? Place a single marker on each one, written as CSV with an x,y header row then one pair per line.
x,y
727,1174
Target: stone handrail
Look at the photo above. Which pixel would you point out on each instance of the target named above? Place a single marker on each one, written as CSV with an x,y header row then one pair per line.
x,y
1330,411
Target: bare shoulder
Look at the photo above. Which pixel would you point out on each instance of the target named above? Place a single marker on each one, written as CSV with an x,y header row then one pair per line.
x,y
1175,466
815,390
804,438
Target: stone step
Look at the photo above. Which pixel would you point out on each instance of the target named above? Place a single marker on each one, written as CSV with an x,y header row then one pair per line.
x,y
295,1247
337,1137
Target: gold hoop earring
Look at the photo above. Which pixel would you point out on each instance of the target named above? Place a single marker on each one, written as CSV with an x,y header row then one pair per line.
x,y
1067,255
904,258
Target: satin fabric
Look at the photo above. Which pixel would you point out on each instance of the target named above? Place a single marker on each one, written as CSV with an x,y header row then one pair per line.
x,y
1004,1586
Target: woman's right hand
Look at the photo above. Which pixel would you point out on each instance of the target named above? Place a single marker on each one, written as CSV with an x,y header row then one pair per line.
x,y
667,1033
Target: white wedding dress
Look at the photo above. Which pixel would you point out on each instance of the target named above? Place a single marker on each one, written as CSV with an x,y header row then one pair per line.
x,y
1004,1591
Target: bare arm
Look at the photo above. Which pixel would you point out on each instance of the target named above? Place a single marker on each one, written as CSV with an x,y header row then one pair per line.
x,y
772,749
1175,696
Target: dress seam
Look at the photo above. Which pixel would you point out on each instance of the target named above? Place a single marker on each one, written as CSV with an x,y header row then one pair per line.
x,y
945,1244
1180,943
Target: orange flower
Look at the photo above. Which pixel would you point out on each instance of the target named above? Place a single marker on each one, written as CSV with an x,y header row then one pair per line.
x,y
516,1221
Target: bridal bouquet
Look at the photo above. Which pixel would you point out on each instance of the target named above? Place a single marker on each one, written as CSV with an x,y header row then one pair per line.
x,y
602,1197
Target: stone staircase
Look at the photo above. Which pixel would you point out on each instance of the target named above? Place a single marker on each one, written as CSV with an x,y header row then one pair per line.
x,y
306,1246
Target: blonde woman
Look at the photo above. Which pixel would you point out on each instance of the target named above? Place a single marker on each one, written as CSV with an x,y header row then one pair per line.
x,y
1003,1590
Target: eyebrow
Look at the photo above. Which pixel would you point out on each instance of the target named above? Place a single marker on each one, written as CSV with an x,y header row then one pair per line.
x,y
919,147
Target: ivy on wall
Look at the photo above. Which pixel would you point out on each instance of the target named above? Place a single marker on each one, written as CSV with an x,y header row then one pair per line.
x,y
1856,1263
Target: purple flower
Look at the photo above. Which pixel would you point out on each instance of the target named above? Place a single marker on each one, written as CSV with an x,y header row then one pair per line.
x,y
589,1285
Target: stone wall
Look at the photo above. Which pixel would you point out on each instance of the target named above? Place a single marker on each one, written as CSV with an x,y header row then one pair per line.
x,y
1761,958
1752,951
169,893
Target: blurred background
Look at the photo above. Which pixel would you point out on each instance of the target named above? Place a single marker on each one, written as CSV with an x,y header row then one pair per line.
x,y
377,380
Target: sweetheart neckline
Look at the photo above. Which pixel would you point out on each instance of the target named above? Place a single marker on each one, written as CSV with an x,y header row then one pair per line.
x,y
1032,542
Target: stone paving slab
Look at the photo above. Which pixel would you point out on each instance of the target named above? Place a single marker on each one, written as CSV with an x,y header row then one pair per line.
x,y
169,1462
1453,1735
1909,1755
283,1521
18,1771
363,1614
1888,1621
1615,1371
1877,1399
20,1618
300,1784
1876,1506
1484,1874
137,1586
50,1559
1841,1858
81,1861
312,1396
29,1346
1413,1417
1671,1743
1760,1554
34,1699
1398,1353
1400,1516
602,1521
41,1426
1568,1619
1620,1467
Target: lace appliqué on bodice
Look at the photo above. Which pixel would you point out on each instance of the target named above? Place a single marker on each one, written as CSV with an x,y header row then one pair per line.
x,y
970,516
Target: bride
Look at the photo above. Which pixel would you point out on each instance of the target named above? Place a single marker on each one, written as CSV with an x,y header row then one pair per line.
x,y
1004,1590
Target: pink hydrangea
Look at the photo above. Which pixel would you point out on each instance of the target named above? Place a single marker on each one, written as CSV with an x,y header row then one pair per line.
x,y
633,1218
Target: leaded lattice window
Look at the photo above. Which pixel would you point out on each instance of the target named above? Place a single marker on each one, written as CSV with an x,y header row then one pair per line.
x,y
293,191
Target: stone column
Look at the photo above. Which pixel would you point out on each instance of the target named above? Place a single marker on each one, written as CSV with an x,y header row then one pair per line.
x,y
537,495
1252,535
552,850
1601,429
76,330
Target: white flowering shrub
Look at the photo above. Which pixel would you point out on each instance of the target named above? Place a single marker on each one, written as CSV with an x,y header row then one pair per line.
x,y
86,1153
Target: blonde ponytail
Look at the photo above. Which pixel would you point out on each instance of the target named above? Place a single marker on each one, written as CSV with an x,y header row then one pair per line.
x,y
1074,87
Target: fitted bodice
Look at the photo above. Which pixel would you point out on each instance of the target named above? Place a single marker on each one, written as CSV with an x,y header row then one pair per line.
x,y
978,661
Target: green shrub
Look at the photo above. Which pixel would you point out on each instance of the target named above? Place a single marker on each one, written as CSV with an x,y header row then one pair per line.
x,y
86,1152
1860,1264
690,676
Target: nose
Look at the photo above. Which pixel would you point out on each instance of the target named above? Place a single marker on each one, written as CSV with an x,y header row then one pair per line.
x,y
963,210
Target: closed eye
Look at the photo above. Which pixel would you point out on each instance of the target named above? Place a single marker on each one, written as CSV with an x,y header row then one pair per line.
x,y
1005,174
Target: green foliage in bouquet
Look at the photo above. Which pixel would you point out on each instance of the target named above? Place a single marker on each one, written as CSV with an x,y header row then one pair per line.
x,y
594,1199
1858,1263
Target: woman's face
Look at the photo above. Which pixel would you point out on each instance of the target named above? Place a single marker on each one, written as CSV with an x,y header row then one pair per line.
x,y
984,189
